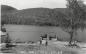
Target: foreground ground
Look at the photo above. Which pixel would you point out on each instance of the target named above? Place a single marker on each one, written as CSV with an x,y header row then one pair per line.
x,y
52,48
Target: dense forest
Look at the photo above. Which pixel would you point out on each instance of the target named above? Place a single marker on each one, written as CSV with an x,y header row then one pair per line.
x,y
33,16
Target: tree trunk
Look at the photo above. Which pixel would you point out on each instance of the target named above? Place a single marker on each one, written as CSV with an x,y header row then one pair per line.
x,y
71,37
47,40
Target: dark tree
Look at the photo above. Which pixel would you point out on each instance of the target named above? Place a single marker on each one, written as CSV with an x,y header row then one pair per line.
x,y
75,20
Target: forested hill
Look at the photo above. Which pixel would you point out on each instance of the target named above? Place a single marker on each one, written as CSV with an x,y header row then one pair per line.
x,y
33,16
7,9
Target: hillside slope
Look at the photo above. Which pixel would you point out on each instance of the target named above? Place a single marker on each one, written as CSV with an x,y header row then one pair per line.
x,y
33,16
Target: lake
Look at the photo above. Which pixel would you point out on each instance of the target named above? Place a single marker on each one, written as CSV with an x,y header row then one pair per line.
x,y
33,33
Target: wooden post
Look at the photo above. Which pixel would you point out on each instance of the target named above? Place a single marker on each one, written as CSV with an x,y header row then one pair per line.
x,y
59,52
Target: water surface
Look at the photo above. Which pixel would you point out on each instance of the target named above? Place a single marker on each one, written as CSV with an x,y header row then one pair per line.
x,y
29,32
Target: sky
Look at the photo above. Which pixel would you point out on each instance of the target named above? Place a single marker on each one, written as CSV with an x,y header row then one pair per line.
x,y
23,4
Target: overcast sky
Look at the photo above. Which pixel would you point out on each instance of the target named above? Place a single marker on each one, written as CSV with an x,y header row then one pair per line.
x,y
23,4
